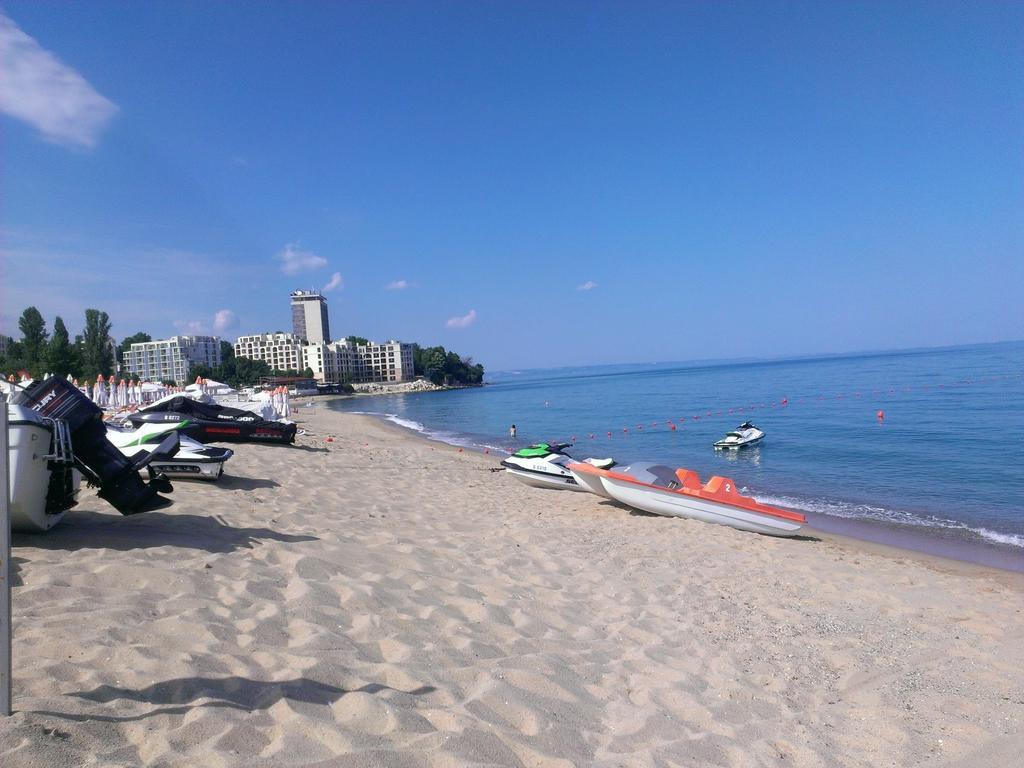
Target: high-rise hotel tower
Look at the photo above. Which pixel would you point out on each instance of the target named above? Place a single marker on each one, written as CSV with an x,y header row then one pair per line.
x,y
309,317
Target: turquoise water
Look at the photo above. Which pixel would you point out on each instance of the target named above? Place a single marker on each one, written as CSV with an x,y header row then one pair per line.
x,y
947,460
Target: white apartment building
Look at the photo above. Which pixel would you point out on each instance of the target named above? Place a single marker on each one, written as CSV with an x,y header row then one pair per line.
x,y
281,351
309,317
341,361
171,359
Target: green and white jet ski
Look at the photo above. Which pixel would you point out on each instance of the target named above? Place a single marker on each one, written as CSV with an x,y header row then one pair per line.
x,y
193,461
544,466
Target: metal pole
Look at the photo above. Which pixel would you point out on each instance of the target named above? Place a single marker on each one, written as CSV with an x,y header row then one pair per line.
x,y
6,630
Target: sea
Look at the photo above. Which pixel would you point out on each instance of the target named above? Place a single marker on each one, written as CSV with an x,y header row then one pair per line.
x,y
922,449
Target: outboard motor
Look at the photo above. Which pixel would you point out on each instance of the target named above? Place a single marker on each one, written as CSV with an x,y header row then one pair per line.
x,y
99,460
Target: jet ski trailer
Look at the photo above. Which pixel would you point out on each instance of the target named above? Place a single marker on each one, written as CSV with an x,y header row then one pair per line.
x,y
544,466
745,434
661,490
213,423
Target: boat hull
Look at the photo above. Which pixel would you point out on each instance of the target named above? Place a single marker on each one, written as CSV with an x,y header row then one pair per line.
x,y
675,504
723,446
590,483
539,479
30,473
186,468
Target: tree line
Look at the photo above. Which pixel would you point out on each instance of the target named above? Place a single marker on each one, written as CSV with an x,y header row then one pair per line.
x,y
448,368
94,352
39,351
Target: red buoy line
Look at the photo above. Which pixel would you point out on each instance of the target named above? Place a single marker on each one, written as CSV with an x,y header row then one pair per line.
x,y
679,422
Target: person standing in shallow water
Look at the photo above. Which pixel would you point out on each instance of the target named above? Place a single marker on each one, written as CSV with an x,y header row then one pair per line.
x,y
512,431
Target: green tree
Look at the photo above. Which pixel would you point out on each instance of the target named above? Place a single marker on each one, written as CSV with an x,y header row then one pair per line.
x,y
97,356
33,338
135,338
14,360
443,367
358,341
61,357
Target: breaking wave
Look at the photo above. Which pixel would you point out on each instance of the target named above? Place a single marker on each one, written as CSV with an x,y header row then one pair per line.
x,y
851,510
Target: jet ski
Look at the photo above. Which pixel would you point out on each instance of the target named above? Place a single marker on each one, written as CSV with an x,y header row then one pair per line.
x,y
662,490
544,466
213,423
744,435
193,460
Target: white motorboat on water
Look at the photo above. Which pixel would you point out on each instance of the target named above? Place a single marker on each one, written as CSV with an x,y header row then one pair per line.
x,y
662,490
544,466
194,460
43,481
745,434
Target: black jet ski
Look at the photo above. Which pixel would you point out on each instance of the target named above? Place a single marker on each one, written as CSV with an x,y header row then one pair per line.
x,y
213,423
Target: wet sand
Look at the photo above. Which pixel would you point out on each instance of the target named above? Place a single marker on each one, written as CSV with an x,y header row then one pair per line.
x,y
380,599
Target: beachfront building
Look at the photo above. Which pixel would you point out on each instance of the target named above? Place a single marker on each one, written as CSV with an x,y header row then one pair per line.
x,y
171,359
343,361
281,351
309,317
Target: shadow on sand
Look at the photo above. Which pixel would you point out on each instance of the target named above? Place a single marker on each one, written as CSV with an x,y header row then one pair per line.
x,y
92,530
15,571
235,483
310,449
230,692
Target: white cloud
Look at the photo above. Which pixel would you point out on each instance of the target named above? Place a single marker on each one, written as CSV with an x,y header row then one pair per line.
x,y
293,259
397,285
587,286
46,93
224,320
462,322
334,282
191,327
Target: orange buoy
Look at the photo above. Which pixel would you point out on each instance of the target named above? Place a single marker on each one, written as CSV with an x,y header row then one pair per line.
x,y
880,415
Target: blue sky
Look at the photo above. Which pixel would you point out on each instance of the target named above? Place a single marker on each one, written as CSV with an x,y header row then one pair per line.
x,y
534,184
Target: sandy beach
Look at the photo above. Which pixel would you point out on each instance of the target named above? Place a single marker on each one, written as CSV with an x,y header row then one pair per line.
x,y
377,599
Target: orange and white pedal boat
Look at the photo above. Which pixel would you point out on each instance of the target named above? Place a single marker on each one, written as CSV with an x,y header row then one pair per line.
x,y
662,490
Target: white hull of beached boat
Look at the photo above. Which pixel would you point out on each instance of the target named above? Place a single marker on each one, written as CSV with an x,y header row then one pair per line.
x,y
590,483
30,452
677,504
